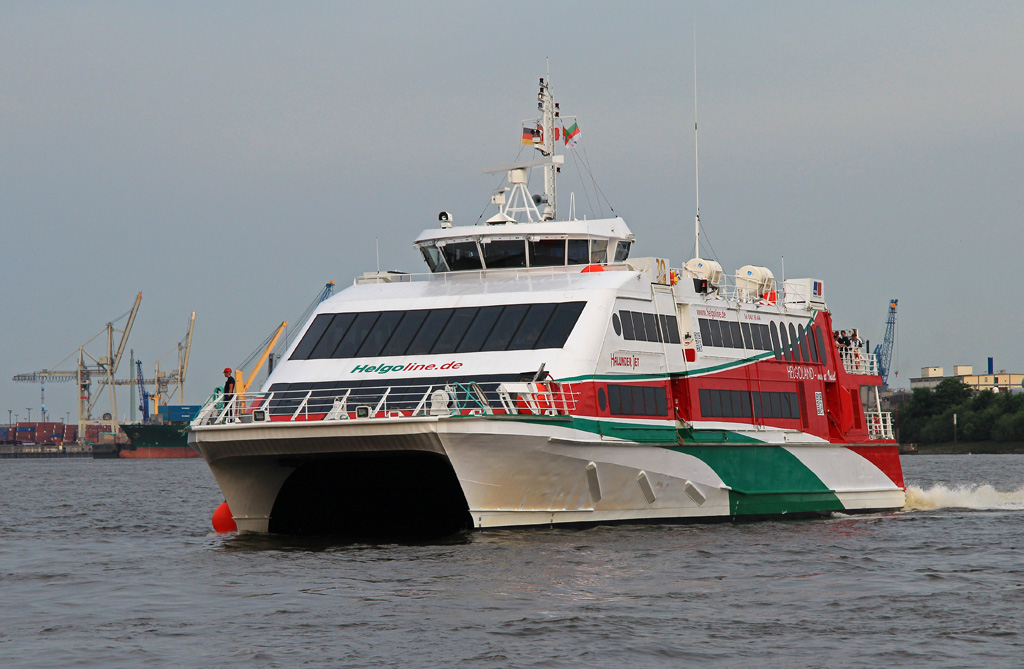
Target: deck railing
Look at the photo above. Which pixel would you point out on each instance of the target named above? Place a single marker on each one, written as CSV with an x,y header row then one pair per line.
x,y
546,398
856,361
879,424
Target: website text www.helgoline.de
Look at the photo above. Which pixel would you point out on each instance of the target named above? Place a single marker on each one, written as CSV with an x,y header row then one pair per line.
x,y
406,367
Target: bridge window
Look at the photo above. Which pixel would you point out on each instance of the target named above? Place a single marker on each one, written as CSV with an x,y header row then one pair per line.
x,y
622,251
547,253
500,253
462,256
435,261
579,251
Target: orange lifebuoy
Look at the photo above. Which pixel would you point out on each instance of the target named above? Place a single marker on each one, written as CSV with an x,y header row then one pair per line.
x,y
591,268
541,397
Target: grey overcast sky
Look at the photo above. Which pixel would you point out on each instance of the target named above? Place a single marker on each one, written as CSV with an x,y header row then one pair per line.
x,y
232,157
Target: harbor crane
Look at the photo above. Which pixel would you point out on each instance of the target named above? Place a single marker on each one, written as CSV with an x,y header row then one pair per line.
x,y
242,382
143,393
290,332
163,381
90,366
883,352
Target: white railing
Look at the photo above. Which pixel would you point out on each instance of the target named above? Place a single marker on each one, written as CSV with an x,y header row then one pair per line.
x,y
856,361
546,398
879,424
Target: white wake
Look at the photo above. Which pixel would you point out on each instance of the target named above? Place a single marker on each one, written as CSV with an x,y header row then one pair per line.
x,y
982,497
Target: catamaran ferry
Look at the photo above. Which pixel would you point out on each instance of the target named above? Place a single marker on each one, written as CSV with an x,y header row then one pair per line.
x,y
539,374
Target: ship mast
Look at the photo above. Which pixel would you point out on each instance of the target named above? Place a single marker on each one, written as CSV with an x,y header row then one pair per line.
x,y
548,113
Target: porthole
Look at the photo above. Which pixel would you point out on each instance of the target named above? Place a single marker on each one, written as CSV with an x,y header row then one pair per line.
x,y
602,401
616,325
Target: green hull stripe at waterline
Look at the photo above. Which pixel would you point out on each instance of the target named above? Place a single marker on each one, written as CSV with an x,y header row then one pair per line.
x,y
666,434
763,479
766,480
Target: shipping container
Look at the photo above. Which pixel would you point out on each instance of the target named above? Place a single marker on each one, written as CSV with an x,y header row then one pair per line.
x,y
180,413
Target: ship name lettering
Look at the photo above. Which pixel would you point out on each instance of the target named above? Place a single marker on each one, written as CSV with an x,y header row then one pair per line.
x,y
407,367
630,361
800,372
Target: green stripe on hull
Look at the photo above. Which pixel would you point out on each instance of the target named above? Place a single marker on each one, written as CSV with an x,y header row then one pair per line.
x,y
695,436
665,435
766,480
763,479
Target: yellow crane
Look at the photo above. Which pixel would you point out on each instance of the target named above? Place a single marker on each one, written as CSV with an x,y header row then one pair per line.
x,y
242,382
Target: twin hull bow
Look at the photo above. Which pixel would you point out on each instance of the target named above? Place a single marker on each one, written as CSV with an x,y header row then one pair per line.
x,y
439,474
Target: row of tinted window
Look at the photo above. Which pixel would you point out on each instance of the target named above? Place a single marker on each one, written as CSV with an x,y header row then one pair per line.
x,y
504,253
637,326
511,327
404,395
732,334
800,344
793,343
633,400
745,404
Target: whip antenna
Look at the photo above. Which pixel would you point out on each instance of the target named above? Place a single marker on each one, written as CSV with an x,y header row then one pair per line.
x,y
696,152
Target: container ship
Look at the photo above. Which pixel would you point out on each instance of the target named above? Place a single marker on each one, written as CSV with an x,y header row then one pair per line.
x,y
539,374
164,437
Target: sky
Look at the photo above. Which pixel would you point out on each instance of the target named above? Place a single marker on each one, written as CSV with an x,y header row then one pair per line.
x,y
231,158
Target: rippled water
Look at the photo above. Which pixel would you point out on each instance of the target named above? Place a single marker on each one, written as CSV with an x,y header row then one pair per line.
x,y
113,563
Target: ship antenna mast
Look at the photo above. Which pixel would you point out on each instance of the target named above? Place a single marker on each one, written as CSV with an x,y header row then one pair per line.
x,y
548,117
696,152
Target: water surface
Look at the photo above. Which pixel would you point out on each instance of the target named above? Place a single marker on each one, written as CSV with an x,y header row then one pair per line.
x,y
113,563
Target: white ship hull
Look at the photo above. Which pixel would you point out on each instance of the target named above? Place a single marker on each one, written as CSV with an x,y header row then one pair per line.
x,y
511,473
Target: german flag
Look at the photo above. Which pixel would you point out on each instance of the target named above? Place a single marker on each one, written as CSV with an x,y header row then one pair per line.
x,y
528,135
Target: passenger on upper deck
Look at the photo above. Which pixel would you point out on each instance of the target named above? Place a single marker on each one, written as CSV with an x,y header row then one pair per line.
x,y
855,344
229,386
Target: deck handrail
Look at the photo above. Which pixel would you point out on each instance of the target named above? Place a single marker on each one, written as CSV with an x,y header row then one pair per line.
x,y
548,398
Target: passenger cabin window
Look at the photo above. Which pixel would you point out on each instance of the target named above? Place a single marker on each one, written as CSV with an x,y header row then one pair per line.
x,y
512,327
733,334
743,404
500,253
637,400
462,256
648,327
599,251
